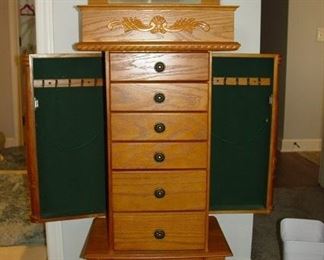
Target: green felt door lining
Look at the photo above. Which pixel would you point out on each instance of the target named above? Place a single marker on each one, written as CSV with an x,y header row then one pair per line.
x,y
71,151
241,125
70,138
71,143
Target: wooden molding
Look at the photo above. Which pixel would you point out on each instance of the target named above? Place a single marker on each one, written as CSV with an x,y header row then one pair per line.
x,y
157,47
105,2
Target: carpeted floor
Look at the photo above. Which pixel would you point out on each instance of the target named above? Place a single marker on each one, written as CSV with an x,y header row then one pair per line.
x,y
13,158
15,225
296,195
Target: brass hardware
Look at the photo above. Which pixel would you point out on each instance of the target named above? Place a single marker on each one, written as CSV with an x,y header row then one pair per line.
x,y
158,24
159,234
159,97
159,157
159,66
159,127
159,193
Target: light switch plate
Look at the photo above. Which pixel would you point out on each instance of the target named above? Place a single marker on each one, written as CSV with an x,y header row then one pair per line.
x,y
320,34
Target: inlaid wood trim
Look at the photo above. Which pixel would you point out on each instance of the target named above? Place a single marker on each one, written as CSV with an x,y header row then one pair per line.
x,y
157,47
59,83
158,24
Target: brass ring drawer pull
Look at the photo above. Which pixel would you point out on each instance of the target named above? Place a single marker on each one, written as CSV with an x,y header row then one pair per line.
x,y
159,67
159,234
159,97
159,193
159,157
159,127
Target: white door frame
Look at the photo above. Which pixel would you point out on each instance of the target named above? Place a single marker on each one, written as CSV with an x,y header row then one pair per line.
x,y
45,44
14,64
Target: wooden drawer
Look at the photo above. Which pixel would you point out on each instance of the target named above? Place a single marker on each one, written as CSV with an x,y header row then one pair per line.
x,y
139,231
141,96
145,66
159,190
177,155
158,126
157,23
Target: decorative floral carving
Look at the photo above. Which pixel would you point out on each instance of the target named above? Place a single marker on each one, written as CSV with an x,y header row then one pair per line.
x,y
158,24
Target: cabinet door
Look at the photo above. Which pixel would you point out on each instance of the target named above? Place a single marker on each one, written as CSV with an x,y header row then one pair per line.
x,y
66,136
244,122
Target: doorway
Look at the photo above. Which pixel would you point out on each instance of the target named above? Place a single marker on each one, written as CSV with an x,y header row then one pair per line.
x,y
17,26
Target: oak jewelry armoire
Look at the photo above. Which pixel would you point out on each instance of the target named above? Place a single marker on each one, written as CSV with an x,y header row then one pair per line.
x,y
155,133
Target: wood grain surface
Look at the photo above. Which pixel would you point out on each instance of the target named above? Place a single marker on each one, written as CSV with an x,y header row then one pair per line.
x,y
140,96
134,191
96,21
141,126
178,155
136,231
105,2
97,247
178,66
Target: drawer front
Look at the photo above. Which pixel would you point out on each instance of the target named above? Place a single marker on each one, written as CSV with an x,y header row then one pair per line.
x,y
159,231
159,155
159,66
157,24
158,126
159,190
147,97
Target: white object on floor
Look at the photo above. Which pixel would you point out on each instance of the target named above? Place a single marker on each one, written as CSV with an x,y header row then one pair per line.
x,y
23,253
302,239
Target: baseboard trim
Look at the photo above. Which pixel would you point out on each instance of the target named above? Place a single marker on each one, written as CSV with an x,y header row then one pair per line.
x,y
10,142
54,240
300,145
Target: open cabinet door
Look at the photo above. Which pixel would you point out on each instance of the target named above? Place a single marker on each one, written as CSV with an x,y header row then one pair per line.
x,y
65,133
66,136
244,132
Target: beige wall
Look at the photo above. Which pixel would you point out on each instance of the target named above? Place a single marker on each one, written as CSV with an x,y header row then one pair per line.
x,y
6,101
305,72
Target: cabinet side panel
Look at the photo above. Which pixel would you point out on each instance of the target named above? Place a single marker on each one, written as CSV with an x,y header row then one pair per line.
x,y
30,137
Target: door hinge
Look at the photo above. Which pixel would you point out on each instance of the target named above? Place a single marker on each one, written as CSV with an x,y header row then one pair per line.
x,y
36,103
270,99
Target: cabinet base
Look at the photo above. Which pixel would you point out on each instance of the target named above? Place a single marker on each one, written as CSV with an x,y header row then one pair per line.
x,y
96,246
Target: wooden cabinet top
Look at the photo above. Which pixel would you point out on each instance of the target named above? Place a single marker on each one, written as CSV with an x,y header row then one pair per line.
x,y
157,27
175,2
